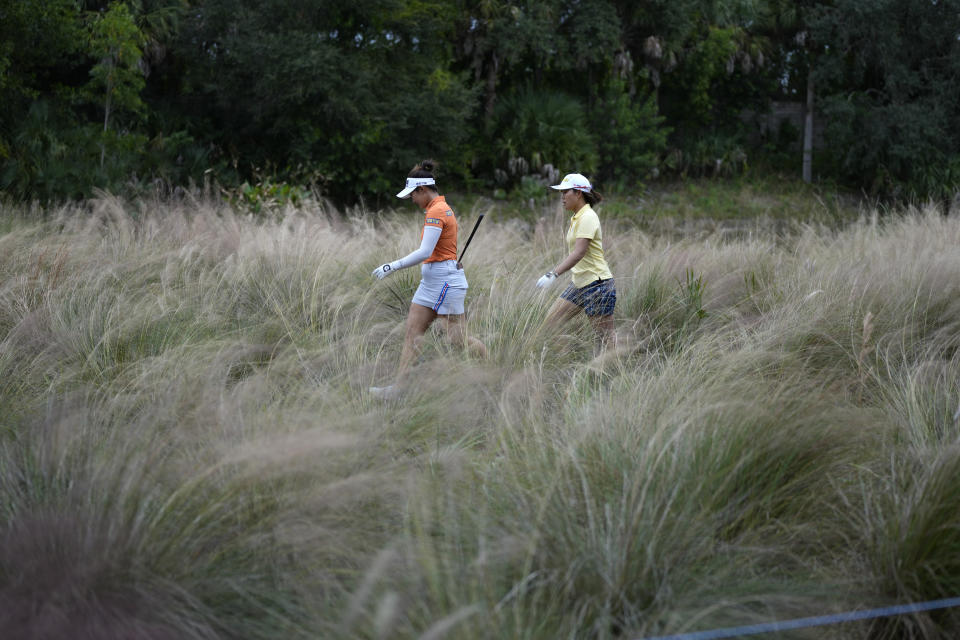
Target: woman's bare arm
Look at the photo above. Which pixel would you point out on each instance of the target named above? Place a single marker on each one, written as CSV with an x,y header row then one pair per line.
x,y
580,247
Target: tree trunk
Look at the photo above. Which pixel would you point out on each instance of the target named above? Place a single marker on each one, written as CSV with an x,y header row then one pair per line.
x,y
491,89
808,133
106,125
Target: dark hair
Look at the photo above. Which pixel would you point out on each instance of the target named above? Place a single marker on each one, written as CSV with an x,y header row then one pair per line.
x,y
592,197
425,169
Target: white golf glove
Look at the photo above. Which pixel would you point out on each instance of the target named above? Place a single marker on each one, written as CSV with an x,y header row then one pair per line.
x,y
546,279
384,270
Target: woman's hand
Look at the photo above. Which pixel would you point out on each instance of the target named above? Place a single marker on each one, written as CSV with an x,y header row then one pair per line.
x,y
384,270
546,279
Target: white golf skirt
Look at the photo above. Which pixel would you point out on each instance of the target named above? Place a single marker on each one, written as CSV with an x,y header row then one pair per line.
x,y
443,287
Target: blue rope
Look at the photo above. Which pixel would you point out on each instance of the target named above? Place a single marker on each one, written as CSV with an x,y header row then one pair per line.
x,y
817,621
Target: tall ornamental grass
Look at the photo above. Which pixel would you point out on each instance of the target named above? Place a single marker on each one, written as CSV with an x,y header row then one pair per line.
x,y
188,448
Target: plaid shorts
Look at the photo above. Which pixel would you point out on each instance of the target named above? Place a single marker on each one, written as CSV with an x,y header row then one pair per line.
x,y
597,298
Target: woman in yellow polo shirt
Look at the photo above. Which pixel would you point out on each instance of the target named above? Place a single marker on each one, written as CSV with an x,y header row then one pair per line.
x,y
592,290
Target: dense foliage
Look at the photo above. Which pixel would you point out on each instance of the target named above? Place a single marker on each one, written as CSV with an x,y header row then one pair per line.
x,y
893,91
346,96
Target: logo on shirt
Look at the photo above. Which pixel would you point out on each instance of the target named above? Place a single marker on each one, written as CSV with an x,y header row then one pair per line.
x,y
432,221
449,212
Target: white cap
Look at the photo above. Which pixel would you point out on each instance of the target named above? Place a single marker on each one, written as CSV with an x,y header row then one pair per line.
x,y
413,183
573,181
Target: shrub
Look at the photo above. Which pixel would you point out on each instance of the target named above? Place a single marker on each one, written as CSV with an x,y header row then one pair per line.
x,y
533,129
630,136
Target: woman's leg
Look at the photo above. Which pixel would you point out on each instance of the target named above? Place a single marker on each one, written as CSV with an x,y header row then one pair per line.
x,y
562,312
419,319
456,329
606,334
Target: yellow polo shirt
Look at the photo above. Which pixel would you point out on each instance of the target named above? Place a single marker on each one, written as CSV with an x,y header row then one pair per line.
x,y
592,266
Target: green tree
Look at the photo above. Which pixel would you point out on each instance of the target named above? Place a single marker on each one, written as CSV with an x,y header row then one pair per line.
x,y
72,75
508,44
536,129
548,71
496,35
116,79
38,41
630,136
348,94
889,72
701,65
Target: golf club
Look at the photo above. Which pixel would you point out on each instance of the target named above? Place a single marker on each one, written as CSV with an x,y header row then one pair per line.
x,y
479,220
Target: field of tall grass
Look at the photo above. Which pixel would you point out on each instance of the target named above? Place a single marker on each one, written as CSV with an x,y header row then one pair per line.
x,y
188,448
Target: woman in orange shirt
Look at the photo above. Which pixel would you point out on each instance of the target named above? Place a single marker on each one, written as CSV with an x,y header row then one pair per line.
x,y
443,285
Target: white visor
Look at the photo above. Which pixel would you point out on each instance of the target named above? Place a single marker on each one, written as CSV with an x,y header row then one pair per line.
x,y
573,181
413,183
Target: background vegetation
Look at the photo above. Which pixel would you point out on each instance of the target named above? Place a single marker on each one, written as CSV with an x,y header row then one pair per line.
x,y
187,445
281,96
188,449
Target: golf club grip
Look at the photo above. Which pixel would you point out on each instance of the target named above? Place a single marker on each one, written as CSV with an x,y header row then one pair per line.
x,y
470,238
